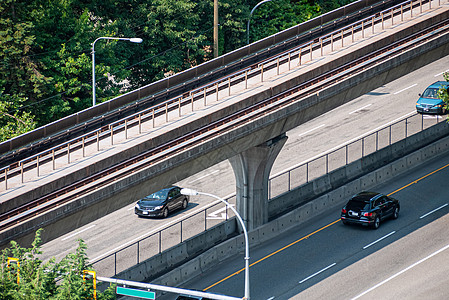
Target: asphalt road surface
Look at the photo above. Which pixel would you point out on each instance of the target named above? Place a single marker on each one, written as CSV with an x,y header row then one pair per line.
x,y
405,258
373,110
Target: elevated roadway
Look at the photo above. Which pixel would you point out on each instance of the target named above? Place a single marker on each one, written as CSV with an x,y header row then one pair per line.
x,y
403,259
379,107
176,169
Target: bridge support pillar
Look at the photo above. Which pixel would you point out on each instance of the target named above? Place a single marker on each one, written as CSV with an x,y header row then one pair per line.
x,y
252,170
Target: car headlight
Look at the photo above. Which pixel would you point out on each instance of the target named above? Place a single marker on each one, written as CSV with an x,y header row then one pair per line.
x,y
159,207
137,206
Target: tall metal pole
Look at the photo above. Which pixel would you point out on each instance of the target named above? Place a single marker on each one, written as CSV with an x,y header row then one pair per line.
x,y
215,28
249,18
193,193
132,40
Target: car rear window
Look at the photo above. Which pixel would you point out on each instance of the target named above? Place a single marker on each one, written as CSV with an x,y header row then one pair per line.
x,y
357,205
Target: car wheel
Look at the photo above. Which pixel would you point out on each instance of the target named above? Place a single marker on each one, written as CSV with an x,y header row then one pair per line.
x,y
376,223
165,213
396,212
184,203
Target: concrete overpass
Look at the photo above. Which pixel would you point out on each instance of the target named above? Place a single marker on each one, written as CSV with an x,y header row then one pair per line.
x,y
251,148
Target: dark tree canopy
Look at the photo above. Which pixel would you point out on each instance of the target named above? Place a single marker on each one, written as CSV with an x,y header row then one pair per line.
x,y
45,47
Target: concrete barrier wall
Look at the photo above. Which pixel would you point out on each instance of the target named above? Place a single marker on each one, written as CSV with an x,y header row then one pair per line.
x,y
327,192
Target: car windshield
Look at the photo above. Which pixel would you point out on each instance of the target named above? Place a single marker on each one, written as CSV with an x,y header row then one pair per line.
x,y
160,195
430,93
357,205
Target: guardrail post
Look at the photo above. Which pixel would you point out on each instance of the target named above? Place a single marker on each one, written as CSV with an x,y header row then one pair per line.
x,y
352,33
342,38
229,86
216,90
153,118
430,4
246,79
261,73
205,95
191,97
83,146
160,242
6,178
311,48
332,42
363,29
299,56
140,123
277,70
382,18
68,153
321,46
37,165
98,140
289,58
372,25
53,158
112,134
402,13
392,17
363,147
179,106
420,6
166,111
126,129
138,245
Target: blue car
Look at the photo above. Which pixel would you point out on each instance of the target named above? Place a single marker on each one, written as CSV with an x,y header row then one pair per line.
x,y
429,102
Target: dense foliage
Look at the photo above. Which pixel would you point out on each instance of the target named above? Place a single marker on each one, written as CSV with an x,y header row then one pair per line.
x,y
444,94
30,278
45,47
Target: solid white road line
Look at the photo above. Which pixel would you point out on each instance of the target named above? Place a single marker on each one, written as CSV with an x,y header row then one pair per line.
x,y
431,212
313,129
199,178
400,272
405,89
379,239
330,266
360,108
439,74
78,232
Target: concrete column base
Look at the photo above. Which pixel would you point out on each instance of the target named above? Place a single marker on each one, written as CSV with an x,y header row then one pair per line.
x,y
252,169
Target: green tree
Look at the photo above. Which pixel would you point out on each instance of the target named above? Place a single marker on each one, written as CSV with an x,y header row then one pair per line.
x,y
443,93
33,279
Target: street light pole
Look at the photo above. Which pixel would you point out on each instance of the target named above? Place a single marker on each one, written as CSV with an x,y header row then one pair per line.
x,y
250,14
191,192
132,40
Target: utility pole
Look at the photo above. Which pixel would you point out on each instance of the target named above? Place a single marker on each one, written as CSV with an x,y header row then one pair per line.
x,y
215,28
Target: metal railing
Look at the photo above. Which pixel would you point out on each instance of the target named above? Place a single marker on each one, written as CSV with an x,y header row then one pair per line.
x,y
303,173
155,243
201,93
348,153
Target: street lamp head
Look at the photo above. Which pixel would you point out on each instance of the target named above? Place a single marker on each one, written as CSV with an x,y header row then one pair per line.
x,y
136,40
189,192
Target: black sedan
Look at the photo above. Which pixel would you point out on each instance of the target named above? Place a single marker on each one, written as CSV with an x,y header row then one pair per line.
x,y
161,203
369,208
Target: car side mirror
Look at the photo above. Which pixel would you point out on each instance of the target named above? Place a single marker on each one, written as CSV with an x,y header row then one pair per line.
x,y
419,94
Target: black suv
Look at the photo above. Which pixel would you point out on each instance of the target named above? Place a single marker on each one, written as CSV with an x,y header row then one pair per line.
x,y
369,208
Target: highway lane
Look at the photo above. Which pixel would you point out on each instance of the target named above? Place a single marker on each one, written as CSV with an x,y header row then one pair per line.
x,y
324,259
385,104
